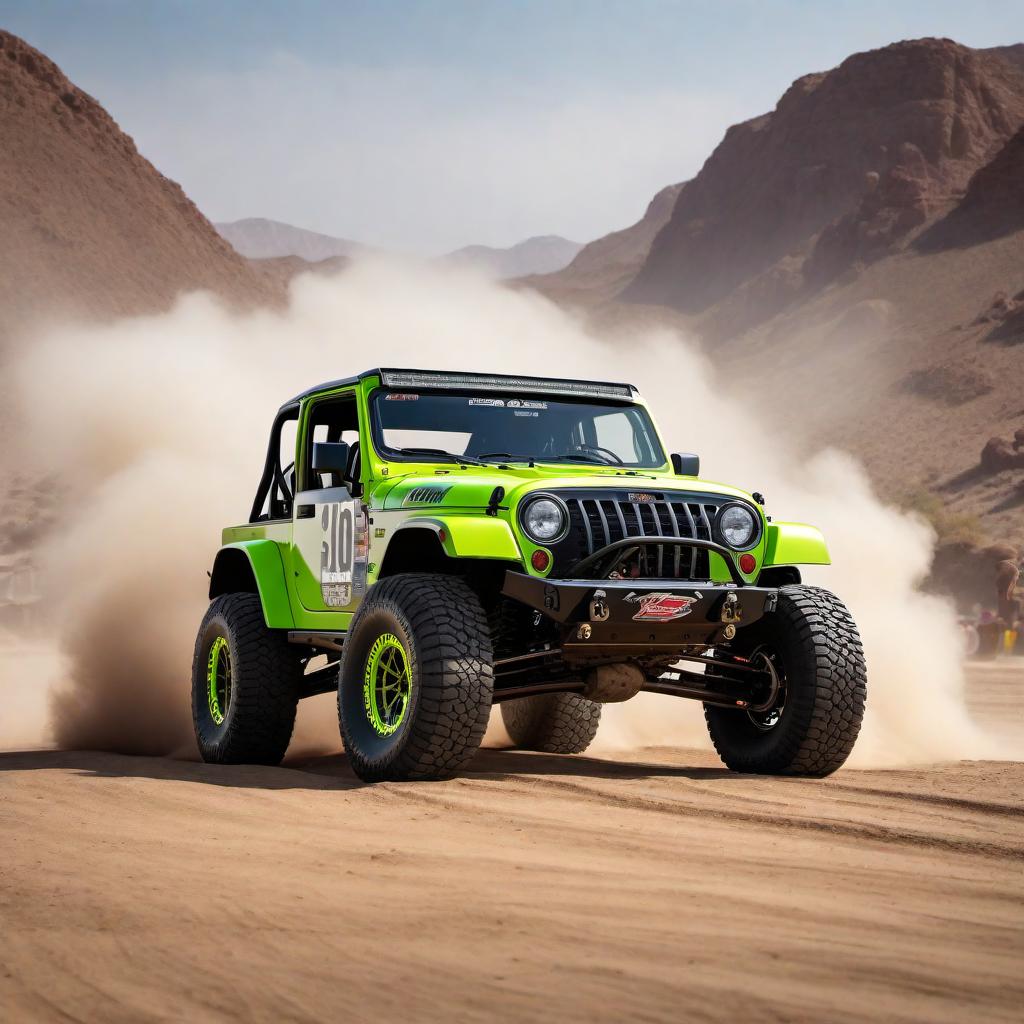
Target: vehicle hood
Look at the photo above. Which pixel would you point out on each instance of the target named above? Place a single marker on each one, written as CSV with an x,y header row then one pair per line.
x,y
470,488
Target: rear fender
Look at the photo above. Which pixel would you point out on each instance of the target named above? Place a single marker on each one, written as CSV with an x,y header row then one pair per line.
x,y
255,567
795,544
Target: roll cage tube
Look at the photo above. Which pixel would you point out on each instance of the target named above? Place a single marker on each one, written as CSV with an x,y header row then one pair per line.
x,y
272,483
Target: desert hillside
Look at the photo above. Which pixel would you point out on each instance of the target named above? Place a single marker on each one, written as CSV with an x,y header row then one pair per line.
x,y
89,226
865,241
848,163
605,266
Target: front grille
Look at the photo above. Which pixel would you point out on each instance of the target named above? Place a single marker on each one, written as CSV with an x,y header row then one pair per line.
x,y
597,519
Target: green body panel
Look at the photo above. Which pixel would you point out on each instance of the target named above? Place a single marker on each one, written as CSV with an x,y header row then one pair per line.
x,y
795,544
268,570
460,518
469,535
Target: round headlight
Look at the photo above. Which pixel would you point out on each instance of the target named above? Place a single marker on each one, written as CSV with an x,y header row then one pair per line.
x,y
738,526
545,520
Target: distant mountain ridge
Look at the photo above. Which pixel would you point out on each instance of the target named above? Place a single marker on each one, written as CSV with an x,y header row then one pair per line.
x,y
543,254
259,238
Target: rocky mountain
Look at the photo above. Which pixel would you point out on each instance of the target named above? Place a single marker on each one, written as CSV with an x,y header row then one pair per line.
x,y
847,164
544,254
607,265
259,238
992,208
88,227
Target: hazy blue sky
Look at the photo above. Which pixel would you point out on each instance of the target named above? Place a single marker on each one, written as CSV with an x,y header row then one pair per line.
x,y
428,125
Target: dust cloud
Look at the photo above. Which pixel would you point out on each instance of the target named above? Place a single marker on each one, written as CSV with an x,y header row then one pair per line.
x,y
156,428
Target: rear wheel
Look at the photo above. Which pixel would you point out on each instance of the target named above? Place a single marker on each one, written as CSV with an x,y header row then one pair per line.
x,y
555,723
416,679
245,680
811,650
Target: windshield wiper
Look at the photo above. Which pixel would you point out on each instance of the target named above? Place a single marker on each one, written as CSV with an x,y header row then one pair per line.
x,y
577,457
507,457
463,460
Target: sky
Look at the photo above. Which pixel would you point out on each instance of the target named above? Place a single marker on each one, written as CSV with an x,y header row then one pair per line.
x,y
424,126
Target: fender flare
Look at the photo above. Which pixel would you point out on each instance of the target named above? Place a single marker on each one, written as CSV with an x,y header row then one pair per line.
x,y
795,544
255,567
477,536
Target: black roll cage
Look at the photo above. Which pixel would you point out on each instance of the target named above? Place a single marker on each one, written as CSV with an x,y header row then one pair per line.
x,y
273,483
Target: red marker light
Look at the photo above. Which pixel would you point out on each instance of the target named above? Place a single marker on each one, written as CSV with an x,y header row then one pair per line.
x,y
748,563
442,536
540,560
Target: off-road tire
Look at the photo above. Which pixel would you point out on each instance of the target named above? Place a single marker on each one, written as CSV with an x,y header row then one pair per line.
x,y
442,627
265,675
555,723
819,652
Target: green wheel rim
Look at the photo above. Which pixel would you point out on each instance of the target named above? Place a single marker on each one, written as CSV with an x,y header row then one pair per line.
x,y
387,684
218,679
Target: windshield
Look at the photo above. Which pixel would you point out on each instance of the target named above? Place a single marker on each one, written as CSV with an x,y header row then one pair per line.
x,y
482,427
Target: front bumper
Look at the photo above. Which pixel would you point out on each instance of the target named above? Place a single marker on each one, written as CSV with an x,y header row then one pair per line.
x,y
637,617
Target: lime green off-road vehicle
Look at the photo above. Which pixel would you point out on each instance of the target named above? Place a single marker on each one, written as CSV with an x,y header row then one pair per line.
x,y
430,544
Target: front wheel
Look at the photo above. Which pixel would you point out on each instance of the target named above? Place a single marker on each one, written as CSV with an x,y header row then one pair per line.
x,y
812,722
416,679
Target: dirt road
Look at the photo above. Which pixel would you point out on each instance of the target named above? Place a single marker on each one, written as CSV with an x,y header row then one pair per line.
x,y
649,886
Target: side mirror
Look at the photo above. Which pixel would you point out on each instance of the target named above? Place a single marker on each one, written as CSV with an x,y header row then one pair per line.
x,y
686,465
330,457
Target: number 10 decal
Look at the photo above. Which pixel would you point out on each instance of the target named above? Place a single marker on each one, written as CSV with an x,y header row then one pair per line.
x,y
342,552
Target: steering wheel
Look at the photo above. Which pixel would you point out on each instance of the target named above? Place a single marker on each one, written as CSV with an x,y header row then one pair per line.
x,y
611,456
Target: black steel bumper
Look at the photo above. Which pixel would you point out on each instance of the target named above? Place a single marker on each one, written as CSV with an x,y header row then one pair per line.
x,y
634,617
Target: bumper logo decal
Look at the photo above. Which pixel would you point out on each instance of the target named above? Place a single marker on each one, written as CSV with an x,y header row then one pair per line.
x,y
661,607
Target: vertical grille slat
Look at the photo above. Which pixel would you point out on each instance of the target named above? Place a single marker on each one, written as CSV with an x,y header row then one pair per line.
x,y
706,522
582,505
692,527
645,569
604,523
622,518
707,526
676,549
661,547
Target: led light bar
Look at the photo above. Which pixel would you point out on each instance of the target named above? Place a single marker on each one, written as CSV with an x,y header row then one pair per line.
x,y
499,382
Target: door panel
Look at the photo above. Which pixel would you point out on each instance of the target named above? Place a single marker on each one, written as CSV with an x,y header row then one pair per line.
x,y
329,541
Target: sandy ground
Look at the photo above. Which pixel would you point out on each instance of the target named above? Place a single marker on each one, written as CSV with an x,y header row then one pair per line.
x,y
647,886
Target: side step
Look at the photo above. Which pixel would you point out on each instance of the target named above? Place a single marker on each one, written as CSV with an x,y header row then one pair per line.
x,y
329,641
